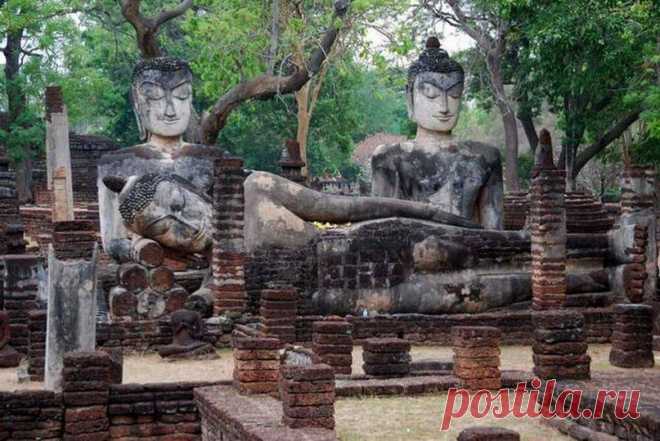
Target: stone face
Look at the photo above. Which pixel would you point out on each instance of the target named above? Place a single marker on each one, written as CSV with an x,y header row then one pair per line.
x,y
71,313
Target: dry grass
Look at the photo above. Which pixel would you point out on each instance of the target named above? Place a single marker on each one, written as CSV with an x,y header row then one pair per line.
x,y
419,419
150,368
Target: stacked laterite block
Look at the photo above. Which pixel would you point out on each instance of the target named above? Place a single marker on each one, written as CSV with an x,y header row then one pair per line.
x,y
488,434
86,387
634,274
330,342
308,396
278,313
228,251
37,344
560,348
477,356
256,364
74,239
632,339
548,230
386,357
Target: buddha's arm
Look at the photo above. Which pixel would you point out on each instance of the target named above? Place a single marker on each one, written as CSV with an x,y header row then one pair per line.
x,y
384,178
491,201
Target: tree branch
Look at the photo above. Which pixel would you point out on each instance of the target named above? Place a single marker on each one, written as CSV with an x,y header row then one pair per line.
x,y
267,86
146,28
613,133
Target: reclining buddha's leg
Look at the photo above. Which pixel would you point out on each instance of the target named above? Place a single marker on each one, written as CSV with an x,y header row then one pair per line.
x,y
277,211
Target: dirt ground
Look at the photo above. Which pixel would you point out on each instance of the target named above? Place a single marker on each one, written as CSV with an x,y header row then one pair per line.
x,y
150,368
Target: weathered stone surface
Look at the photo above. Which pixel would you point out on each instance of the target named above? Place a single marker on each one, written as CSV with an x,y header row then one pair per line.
x,y
71,313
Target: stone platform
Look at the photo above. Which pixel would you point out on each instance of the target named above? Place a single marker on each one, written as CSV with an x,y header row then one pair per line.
x,y
644,428
228,415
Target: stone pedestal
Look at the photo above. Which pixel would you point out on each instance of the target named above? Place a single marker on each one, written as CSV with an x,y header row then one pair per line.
x,y
278,313
386,357
339,356
86,382
256,364
308,396
71,313
477,356
632,339
229,258
548,230
560,348
488,434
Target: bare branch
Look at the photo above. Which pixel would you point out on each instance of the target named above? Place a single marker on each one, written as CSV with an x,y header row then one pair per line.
x,y
147,28
267,86
613,133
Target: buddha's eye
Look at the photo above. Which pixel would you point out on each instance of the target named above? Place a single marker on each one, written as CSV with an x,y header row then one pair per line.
x,y
182,92
456,91
152,91
430,91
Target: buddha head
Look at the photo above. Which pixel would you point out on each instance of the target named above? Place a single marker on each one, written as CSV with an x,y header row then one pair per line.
x,y
162,97
435,88
164,208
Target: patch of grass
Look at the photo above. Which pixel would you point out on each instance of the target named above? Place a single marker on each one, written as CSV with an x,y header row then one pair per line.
x,y
419,419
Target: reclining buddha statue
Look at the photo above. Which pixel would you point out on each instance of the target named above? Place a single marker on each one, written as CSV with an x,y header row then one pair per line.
x,y
436,202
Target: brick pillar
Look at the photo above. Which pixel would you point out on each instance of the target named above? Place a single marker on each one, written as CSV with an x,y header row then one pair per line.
x,y
386,357
632,339
86,386
560,348
637,233
291,163
548,229
19,276
278,313
477,356
229,258
74,239
488,434
308,396
256,364
339,356
37,344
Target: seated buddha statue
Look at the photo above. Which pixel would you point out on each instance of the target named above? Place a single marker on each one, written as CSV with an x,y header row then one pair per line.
x,y
162,101
462,177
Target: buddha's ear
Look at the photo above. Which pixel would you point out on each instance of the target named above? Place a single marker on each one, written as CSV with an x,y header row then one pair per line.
x,y
114,183
136,110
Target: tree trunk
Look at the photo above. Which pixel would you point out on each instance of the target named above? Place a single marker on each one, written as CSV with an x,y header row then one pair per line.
x,y
527,123
511,180
574,134
16,102
304,119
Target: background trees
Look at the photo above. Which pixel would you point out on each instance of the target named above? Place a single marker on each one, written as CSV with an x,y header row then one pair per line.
x,y
586,68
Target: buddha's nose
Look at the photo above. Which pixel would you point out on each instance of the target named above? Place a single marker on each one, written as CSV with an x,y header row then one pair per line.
x,y
170,111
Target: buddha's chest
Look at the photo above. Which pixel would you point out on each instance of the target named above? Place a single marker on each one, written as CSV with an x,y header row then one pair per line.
x,y
446,178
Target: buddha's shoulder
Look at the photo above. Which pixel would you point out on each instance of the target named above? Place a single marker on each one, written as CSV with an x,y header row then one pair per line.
x,y
489,152
148,152
385,151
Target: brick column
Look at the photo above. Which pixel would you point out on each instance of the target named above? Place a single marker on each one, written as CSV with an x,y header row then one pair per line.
x,y
308,396
86,386
386,357
74,239
548,229
37,344
229,258
339,356
477,356
256,364
632,339
560,348
637,231
278,313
